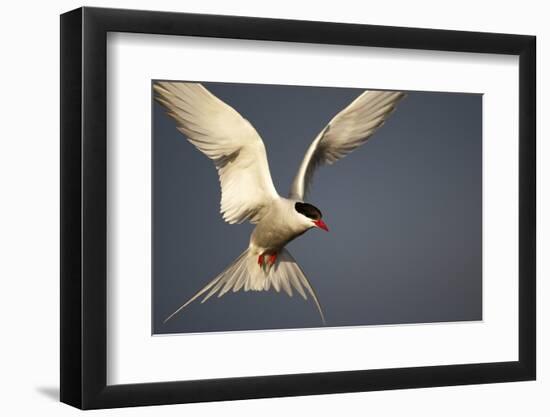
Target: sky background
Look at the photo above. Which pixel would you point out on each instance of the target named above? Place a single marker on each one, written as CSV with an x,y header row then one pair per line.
x,y
404,212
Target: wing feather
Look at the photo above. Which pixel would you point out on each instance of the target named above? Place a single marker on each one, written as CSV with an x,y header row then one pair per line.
x,y
348,130
223,135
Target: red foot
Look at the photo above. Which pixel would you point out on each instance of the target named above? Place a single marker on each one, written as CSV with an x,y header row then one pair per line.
x,y
272,258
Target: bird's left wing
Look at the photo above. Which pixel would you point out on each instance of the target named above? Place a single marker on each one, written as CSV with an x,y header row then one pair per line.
x,y
222,134
349,129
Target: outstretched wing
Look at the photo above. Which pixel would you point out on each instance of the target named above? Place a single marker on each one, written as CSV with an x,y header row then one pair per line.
x,y
223,135
348,130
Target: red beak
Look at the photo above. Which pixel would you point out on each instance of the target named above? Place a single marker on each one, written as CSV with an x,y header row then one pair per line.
x,y
320,224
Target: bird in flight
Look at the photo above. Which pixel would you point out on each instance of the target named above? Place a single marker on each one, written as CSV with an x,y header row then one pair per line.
x,y
247,191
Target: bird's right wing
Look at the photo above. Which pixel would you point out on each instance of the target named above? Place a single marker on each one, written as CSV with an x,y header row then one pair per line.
x,y
222,134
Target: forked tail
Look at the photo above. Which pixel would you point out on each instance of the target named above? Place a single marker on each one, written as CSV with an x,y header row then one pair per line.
x,y
245,274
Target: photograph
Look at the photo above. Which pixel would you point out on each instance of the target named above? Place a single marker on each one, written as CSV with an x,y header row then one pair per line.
x,y
258,205
292,207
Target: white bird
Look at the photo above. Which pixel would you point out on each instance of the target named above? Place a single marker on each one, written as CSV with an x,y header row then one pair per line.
x,y
247,190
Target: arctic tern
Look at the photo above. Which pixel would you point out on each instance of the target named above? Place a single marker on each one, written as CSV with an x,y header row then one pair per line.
x,y
247,190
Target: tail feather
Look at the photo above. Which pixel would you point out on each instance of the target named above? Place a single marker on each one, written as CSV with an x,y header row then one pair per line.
x,y
311,291
240,271
244,273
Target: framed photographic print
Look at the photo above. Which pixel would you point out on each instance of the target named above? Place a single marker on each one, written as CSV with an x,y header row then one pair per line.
x,y
258,207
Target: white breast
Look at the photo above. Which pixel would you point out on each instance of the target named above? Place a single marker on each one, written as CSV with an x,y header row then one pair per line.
x,y
279,226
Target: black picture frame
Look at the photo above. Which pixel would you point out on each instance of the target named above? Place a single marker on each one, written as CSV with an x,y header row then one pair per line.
x,y
84,197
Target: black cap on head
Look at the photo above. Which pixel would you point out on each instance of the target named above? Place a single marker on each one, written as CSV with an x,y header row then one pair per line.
x,y
308,210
